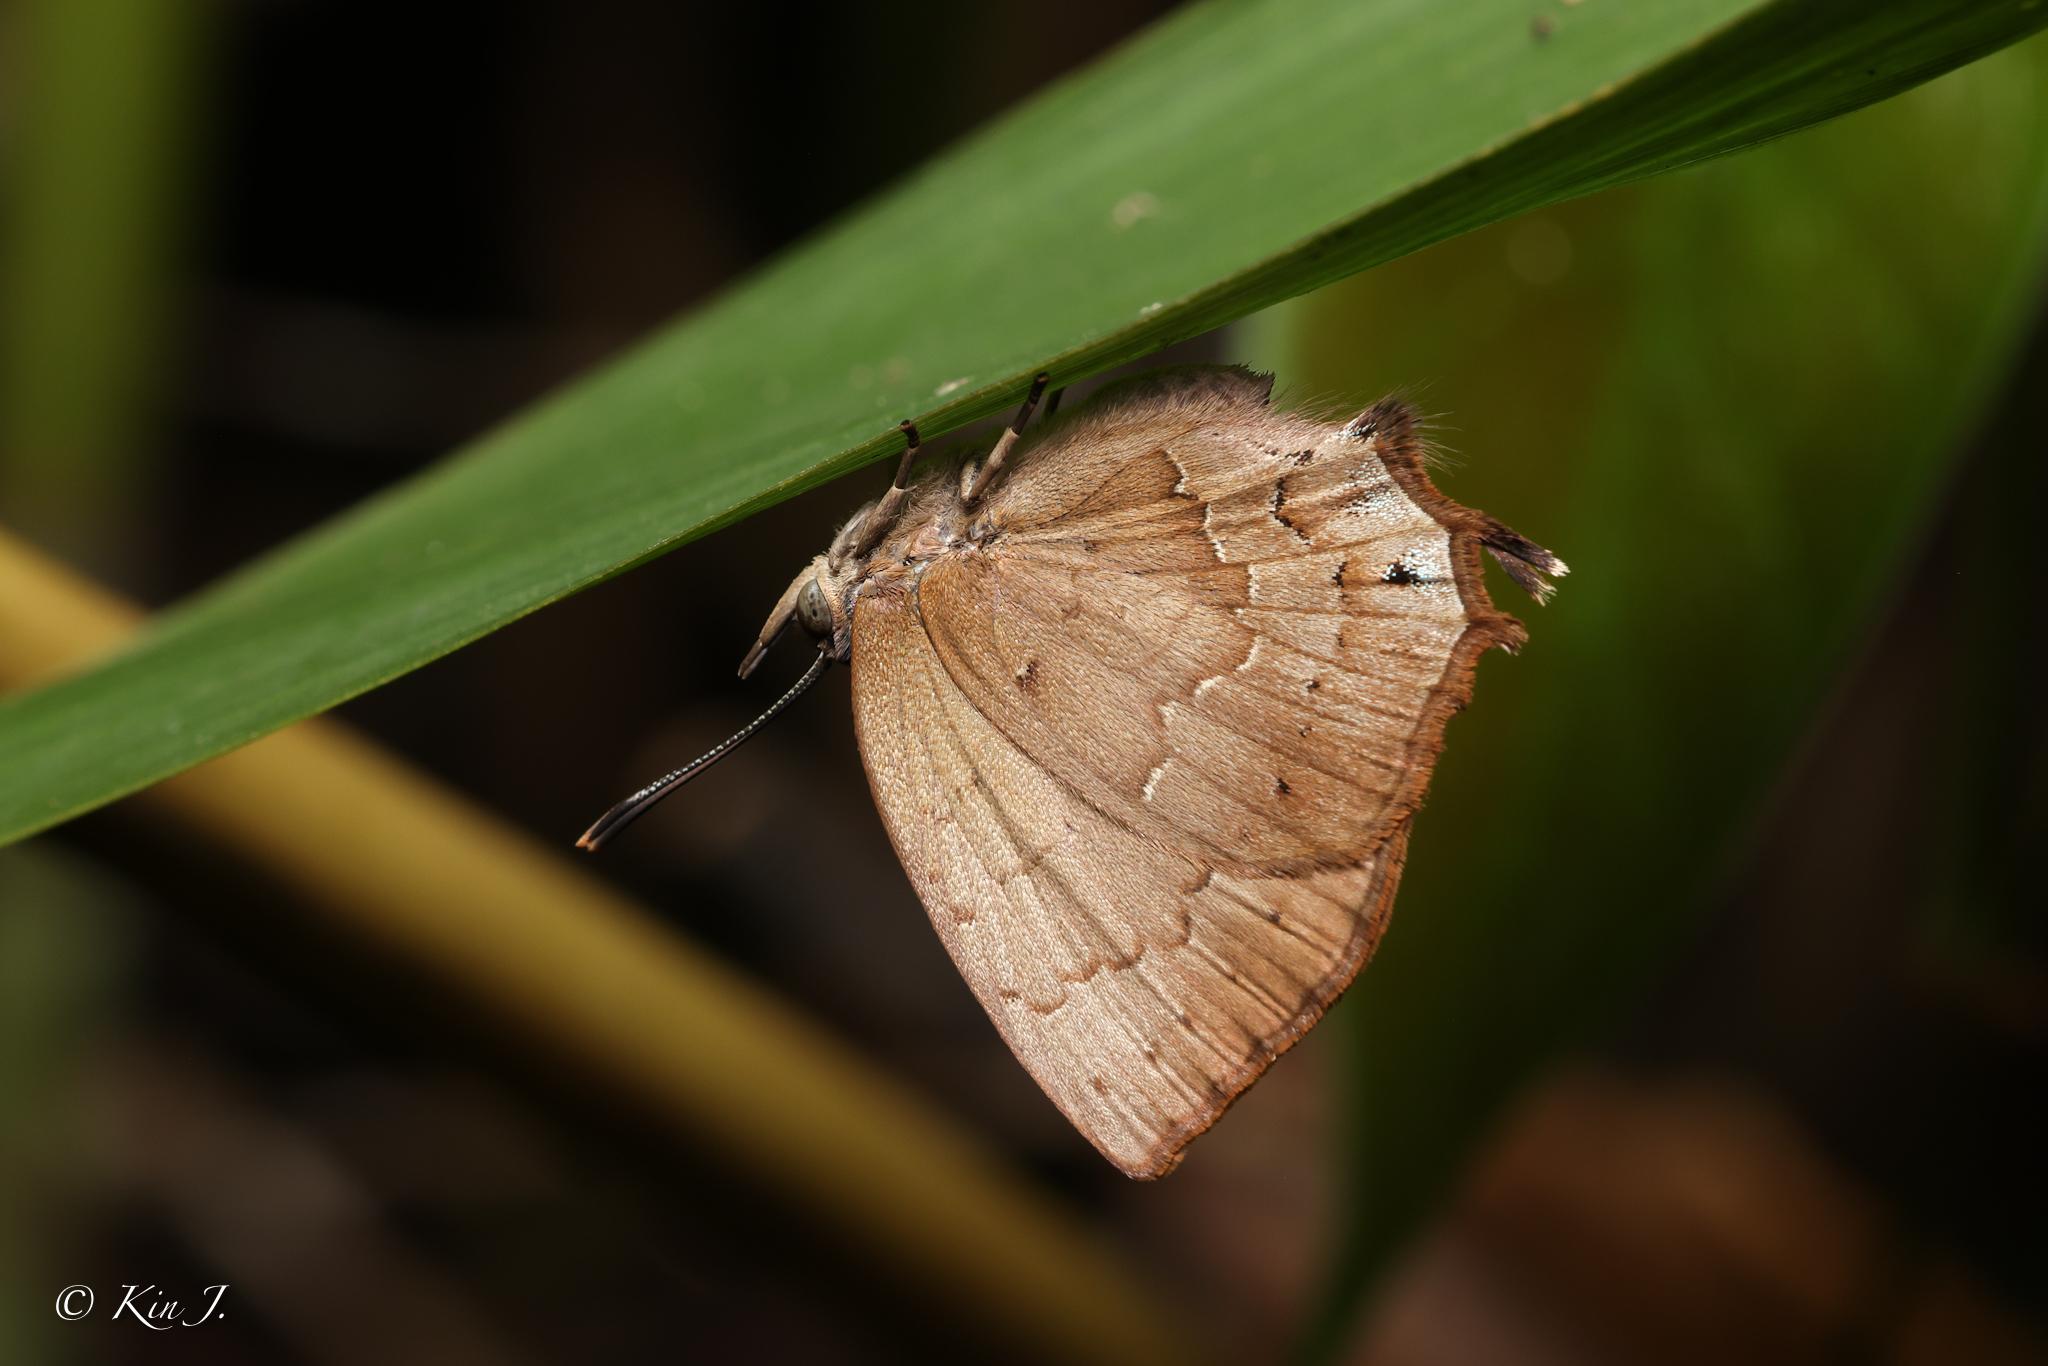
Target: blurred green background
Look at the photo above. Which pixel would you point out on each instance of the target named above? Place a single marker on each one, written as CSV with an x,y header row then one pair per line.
x,y
1713,1010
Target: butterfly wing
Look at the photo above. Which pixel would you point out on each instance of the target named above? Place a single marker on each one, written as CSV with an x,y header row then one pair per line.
x,y
1233,630
1150,746
1142,987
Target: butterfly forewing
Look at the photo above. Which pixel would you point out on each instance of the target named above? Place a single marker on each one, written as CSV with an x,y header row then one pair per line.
x,y
1142,987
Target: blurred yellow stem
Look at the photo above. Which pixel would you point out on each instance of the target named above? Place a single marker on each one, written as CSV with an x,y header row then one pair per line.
x,y
582,976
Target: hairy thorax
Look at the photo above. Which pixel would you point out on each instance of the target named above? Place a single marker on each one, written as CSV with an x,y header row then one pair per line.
x,y
935,522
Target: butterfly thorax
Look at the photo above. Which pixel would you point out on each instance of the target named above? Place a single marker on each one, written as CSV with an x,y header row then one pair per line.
x,y
935,521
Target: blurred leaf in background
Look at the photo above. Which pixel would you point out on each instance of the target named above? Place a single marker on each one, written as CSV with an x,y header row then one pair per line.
x,y
97,169
65,938
1731,400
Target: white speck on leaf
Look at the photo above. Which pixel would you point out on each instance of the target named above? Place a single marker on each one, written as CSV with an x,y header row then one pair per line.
x,y
950,386
1133,209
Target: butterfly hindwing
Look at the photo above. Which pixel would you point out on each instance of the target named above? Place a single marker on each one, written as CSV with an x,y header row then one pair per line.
x,y
1229,627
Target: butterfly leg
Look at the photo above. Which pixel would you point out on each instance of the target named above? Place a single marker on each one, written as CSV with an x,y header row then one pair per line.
x,y
883,513
976,482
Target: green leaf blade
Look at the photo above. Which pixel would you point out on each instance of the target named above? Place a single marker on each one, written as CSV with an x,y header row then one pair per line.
x,y
1234,156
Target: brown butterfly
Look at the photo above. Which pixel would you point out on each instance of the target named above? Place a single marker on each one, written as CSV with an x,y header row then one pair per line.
x,y
1148,700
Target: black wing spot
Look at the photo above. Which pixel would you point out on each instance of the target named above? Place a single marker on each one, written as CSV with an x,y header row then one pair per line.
x,y
1280,502
1398,572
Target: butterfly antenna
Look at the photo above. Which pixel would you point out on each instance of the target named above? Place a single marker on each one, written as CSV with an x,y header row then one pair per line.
x,y
631,809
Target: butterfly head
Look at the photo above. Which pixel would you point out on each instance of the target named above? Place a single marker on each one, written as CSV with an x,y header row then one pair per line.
x,y
817,600
813,612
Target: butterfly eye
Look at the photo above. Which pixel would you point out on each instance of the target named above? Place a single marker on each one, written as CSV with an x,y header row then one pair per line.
x,y
812,611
